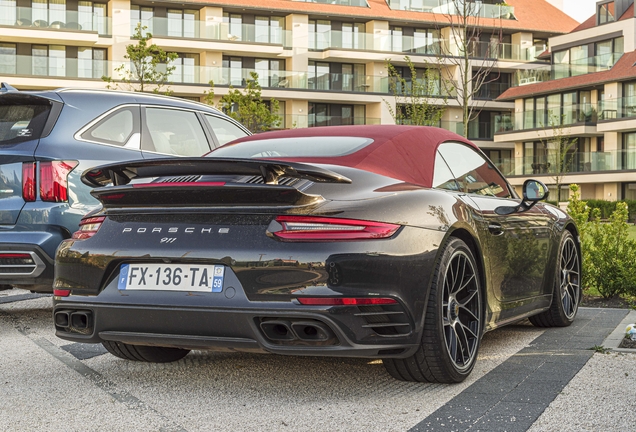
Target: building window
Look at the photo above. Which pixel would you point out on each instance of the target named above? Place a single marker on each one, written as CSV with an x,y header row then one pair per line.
x,y
48,13
90,16
141,15
183,23
8,59
186,68
322,114
606,13
271,73
48,60
319,34
91,62
629,151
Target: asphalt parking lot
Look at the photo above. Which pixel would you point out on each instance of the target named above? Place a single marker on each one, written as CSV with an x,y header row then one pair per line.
x,y
525,378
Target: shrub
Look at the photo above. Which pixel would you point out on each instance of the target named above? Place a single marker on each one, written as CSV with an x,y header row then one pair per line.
x,y
608,253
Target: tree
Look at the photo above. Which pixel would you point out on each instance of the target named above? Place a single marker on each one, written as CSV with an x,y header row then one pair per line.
x,y
559,145
149,67
473,61
248,106
412,103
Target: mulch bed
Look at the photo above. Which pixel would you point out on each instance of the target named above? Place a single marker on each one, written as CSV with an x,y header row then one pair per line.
x,y
614,302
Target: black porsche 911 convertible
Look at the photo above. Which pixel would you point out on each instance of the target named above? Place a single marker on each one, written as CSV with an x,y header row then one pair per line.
x,y
402,243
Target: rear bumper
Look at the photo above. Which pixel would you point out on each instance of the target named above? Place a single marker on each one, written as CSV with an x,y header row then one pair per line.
x,y
224,330
37,275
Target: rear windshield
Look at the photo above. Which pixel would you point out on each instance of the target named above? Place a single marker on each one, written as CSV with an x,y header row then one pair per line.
x,y
318,146
21,122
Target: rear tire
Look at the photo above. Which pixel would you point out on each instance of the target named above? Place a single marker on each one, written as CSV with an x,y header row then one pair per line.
x,y
5,287
566,294
143,353
452,325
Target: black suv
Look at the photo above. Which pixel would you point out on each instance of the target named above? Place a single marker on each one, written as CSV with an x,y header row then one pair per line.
x,y
48,138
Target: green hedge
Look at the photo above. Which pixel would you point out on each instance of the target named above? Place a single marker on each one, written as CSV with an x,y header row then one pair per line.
x,y
608,207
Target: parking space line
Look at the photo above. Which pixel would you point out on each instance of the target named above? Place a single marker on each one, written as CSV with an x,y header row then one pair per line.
x,y
512,396
20,297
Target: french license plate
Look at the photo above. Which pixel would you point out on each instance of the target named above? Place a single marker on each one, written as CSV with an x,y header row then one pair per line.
x,y
171,277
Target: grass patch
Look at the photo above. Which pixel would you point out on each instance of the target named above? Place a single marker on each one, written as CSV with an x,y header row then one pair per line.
x,y
631,232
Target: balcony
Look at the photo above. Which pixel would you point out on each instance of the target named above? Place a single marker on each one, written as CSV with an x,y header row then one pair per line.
x,y
224,32
557,71
477,131
295,121
57,20
58,67
359,3
335,39
579,114
576,163
441,7
491,91
498,51
621,108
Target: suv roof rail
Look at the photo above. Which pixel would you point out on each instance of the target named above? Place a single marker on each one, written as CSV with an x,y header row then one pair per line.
x,y
4,88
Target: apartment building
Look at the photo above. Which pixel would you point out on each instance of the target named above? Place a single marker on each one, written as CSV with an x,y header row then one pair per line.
x,y
587,94
324,60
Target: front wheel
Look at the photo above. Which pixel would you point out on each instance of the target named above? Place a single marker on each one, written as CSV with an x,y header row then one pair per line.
x,y
453,323
143,353
566,294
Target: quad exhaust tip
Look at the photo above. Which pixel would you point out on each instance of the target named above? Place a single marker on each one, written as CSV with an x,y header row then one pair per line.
x,y
74,321
295,331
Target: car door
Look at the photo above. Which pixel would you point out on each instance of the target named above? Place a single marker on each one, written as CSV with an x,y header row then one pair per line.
x,y
516,246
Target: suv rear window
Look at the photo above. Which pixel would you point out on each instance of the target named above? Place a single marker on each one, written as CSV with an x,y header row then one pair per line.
x,y
21,122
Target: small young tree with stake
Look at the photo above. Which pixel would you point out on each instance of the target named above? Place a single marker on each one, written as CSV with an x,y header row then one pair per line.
x,y
473,67
149,67
247,106
559,145
412,98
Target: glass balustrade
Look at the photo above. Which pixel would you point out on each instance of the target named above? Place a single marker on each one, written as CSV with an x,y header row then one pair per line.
x,y
360,3
477,9
545,119
617,108
573,162
53,67
229,32
59,20
578,67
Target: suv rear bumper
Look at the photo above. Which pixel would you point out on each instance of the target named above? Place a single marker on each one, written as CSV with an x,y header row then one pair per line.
x,y
37,276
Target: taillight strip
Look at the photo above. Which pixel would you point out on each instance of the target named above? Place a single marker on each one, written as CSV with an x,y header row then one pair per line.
x,y
312,228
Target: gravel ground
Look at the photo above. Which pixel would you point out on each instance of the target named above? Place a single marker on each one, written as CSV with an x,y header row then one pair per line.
x,y
44,387
601,397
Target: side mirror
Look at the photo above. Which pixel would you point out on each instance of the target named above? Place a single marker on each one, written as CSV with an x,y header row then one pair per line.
x,y
533,192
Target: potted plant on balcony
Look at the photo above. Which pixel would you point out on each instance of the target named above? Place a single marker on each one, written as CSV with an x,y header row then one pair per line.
x,y
504,11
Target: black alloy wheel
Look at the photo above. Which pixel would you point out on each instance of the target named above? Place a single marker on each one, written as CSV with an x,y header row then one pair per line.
x,y
453,323
566,294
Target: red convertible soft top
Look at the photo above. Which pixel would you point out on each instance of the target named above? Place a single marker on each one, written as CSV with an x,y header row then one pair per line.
x,y
405,153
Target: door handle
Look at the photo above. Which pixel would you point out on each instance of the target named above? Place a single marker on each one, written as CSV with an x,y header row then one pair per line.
x,y
495,229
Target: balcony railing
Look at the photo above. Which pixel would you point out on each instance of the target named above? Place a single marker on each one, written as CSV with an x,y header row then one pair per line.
x,y
575,163
557,71
476,9
53,67
360,3
491,91
617,108
226,32
546,119
51,19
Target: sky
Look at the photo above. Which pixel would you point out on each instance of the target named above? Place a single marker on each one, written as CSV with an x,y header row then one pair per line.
x,y
580,10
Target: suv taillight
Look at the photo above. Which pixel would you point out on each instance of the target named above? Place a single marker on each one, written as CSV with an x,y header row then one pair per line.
x,y
54,180
28,181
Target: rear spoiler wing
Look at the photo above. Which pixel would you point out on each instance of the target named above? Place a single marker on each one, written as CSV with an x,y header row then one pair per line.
x,y
122,173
